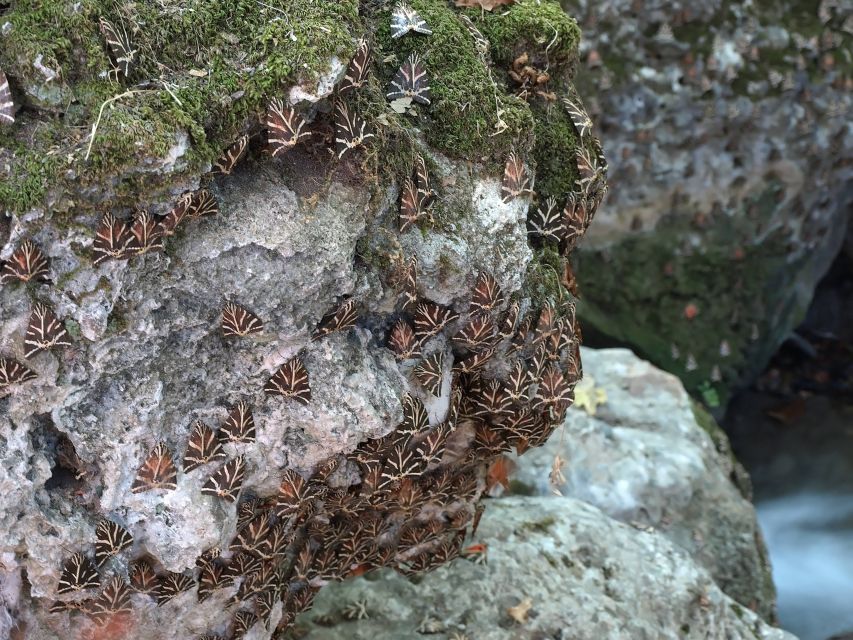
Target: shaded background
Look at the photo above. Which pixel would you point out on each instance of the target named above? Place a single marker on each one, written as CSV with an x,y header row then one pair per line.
x,y
723,252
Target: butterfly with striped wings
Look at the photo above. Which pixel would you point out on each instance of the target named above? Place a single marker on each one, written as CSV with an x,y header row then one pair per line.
x,y
294,493
44,331
226,162
239,426
7,105
145,233
13,372
27,263
142,577
168,224
202,204
112,603
209,580
78,574
239,321
403,341
122,53
227,481
430,372
284,128
487,293
410,81
342,317
357,69
112,240
516,181
157,471
405,20
578,115
351,130
291,381
110,539
546,223
408,285
478,333
203,447
430,318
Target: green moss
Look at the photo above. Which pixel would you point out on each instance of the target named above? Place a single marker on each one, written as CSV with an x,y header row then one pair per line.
x,y
543,277
531,25
554,152
73,329
541,526
248,51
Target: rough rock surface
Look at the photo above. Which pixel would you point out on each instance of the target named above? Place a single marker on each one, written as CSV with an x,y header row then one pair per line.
x,y
729,133
587,577
648,457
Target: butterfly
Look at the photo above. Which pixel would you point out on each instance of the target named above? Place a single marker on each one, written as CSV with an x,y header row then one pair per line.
x,y
239,321
169,223
146,234
291,381
227,481
487,293
202,204
403,342
26,263
7,106
243,621
410,81
417,196
112,239
579,116
122,53
516,182
429,373
553,390
172,585
431,318
351,131
142,577
293,493
78,574
113,602
209,580
409,293
402,463
477,333
110,539
574,222
356,75
226,162
547,222
431,448
284,127
44,331
404,20
202,447
342,317
157,471
239,426
252,534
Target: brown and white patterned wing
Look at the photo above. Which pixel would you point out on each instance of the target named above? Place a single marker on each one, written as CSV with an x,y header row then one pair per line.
x,y
110,539
202,447
13,372
239,426
285,128
227,481
7,106
157,471
225,164
26,263
357,70
516,181
239,321
44,331
291,381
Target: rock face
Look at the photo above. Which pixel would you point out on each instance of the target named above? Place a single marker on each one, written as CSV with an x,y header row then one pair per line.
x,y
557,568
380,468
728,130
648,457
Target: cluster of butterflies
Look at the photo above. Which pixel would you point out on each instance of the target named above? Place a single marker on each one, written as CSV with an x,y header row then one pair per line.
x,y
564,225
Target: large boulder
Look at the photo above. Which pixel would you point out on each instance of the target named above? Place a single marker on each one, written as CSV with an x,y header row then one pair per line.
x,y
729,134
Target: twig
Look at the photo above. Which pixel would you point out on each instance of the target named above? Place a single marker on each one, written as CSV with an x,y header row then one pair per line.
x,y
101,113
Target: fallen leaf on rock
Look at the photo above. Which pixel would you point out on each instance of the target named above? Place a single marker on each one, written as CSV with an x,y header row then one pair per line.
x,y
588,396
488,5
519,612
499,473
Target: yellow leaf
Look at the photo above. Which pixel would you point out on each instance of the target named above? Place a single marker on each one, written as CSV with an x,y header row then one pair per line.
x,y
588,396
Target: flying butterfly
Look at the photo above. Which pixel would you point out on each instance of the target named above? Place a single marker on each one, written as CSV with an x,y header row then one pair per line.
x,y
169,223
225,164
291,381
410,81
403,342
157,471
78,574
110,539
202,447
226,482
284,127
546,223
114,602
239,426
239,321
404,20
122,53
344,316
351,131
172,585
26,263
516,181
429,373
202,204
7,106
112,239
579,116
356,76
487,293
431,318
44,331
146,234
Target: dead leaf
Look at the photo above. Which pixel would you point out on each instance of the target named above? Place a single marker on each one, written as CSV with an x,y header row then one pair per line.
x,y
488,5
499,473
519,612
588,396
401,105
197,73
